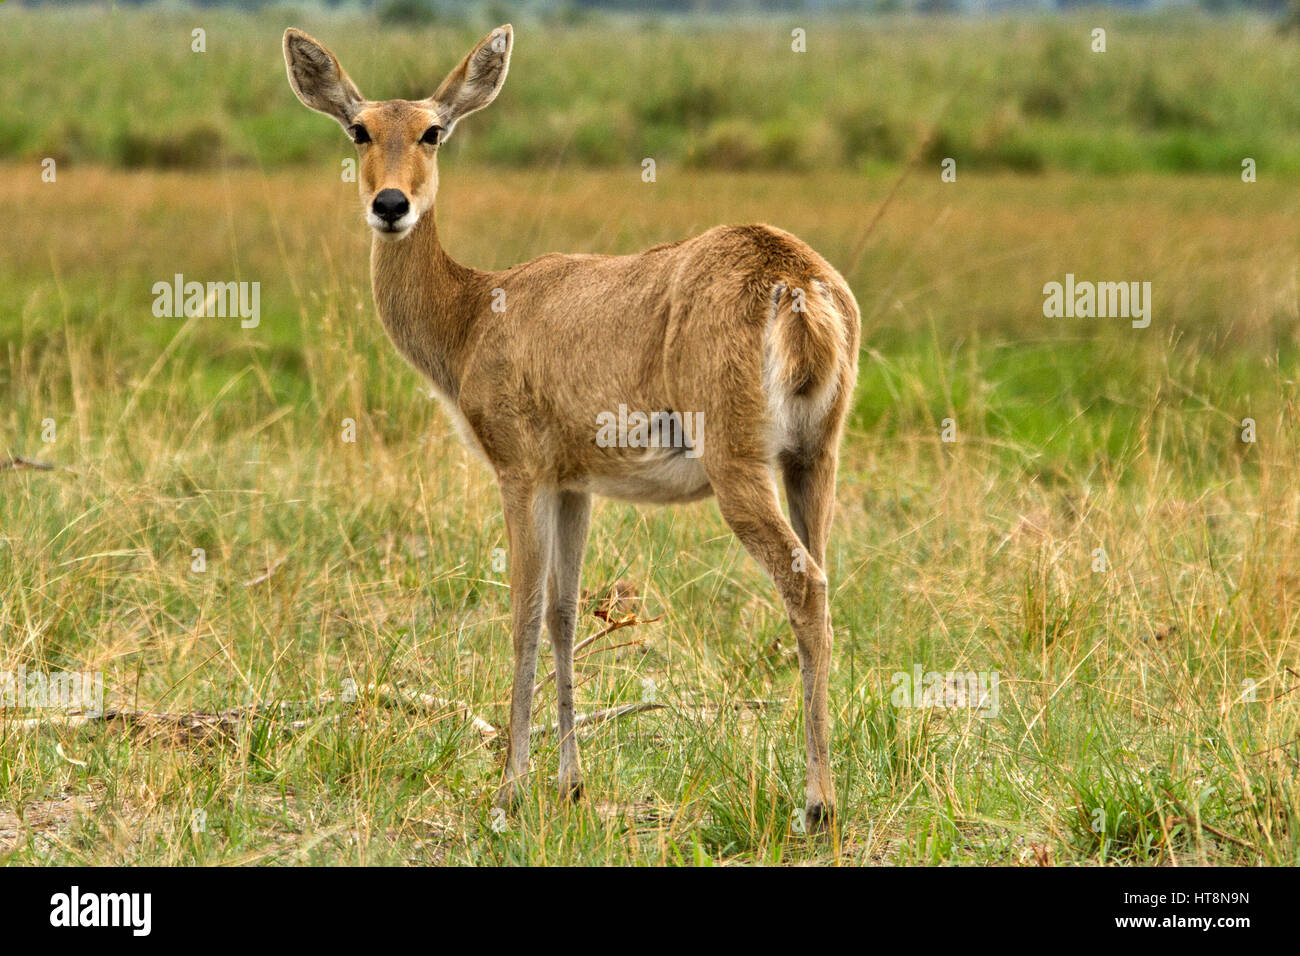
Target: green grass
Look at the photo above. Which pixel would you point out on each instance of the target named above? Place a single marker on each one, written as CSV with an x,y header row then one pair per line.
x,y
1176,92
1121,734
967,556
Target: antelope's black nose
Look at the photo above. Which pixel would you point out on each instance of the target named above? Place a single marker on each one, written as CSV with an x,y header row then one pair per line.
x,y
390,205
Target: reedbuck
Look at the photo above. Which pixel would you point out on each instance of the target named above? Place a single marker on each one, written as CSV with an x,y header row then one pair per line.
x,y
744,328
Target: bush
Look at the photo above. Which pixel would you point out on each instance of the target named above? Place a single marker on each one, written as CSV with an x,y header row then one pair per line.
x,y
734,144
190,148
868,133
688,102
408,12
1156,106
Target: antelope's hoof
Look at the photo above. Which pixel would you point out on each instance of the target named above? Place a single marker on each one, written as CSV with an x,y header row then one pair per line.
x,y
818,817
508,797
571,791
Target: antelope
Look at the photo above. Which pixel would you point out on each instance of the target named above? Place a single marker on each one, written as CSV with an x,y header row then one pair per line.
x,y
744,326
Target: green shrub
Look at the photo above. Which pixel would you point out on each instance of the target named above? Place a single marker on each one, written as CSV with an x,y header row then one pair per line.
x,y
732,144
408,12
190,148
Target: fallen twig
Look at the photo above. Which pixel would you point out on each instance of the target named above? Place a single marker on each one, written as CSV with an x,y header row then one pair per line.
x,y
266,576
1214,831
600,716
427,702
18,463
1196,822
199,723
196,723
1281,746
628,621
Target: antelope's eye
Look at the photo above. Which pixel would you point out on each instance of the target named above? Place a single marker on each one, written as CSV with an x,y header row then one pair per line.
x,y
358,133
432,136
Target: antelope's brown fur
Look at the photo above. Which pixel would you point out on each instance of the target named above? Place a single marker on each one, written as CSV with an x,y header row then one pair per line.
x,y
744,325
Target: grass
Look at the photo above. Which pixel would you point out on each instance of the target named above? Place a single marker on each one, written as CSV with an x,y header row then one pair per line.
x,y
1176,93
1146,712
976,555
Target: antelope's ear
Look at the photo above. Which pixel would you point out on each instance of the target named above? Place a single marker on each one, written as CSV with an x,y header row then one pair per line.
x,y
476,81
317,78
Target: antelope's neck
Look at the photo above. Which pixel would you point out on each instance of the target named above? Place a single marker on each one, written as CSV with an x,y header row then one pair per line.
x,y
424,299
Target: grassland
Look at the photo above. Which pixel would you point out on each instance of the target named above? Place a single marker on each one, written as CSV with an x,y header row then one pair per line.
x,y
126,88
1121,691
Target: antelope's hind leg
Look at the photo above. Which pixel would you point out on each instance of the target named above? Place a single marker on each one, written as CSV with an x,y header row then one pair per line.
x,y
746,493
572,516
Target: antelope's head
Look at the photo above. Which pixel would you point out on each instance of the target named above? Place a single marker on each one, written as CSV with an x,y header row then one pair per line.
x,y
397,140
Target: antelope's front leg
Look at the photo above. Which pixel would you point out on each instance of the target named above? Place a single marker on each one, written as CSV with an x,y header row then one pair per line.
x,y
528,528
572,517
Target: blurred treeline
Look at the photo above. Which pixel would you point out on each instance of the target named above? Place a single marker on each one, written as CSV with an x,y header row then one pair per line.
x,y
1177,90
